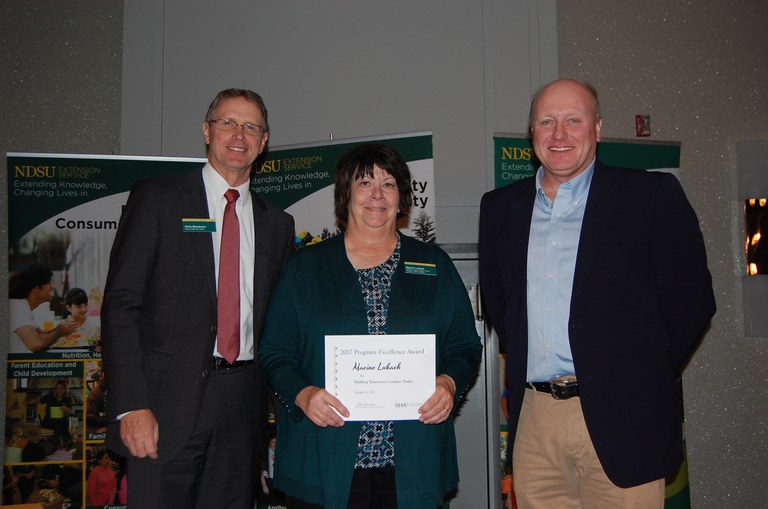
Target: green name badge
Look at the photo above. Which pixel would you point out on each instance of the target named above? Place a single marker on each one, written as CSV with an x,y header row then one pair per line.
x,y
198,225
421,269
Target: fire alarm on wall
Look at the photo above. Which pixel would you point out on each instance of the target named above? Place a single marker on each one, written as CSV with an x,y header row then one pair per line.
x,y
642,125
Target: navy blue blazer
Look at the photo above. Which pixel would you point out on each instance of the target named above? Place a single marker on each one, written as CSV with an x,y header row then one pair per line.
x,y
642,298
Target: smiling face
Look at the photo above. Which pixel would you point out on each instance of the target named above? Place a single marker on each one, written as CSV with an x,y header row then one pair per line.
x,y
232,153
40,294
60,390
565,129
374,201
78,311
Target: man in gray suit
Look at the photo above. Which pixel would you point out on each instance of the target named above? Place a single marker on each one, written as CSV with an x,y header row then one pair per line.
x,y
191,419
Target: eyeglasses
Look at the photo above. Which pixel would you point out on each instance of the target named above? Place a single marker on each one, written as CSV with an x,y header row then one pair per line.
x,y
226,124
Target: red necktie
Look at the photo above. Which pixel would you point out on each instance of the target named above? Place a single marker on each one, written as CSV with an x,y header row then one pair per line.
x,y
229,282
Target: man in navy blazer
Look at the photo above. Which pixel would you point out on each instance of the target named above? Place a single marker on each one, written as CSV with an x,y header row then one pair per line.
x,y
190,422
595,280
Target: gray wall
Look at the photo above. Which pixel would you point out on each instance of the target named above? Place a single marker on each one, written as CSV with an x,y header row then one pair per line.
x,y
463,69
699,69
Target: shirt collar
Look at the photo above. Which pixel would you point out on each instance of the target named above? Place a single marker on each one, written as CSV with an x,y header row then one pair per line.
x,y
579,185
216,186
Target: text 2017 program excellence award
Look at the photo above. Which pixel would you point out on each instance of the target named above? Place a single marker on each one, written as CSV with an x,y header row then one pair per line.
x,y
380,377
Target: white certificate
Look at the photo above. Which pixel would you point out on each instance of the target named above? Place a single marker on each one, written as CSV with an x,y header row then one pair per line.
x,y
381,377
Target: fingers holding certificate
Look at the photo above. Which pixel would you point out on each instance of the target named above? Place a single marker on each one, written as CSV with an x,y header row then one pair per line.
x,y
439,406
321,407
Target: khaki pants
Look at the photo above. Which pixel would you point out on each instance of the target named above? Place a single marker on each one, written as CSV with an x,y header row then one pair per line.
x,y
555,465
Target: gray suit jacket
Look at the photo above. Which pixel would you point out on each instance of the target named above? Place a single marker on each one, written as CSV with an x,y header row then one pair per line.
x,y
159,313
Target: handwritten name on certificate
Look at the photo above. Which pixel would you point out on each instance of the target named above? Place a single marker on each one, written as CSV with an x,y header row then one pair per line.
x,y
381,377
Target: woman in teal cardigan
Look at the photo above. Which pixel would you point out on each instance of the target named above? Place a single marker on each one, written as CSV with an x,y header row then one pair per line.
x,y
362,282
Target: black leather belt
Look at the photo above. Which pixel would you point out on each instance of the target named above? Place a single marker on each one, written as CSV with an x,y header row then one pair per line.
x,y
219,363
559,389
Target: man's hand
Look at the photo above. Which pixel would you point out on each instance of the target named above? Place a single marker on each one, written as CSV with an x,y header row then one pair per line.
x,y
37,341
139,431
67,326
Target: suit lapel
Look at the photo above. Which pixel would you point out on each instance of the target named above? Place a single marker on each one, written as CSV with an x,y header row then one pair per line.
x,y
347,286
515,227
595,229
403,297
262,247
196,205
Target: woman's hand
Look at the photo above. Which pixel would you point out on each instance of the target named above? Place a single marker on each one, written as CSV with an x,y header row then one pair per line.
x,y
440,404
318,405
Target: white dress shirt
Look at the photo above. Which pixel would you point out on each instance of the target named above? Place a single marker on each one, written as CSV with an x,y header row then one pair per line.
x,y
215,187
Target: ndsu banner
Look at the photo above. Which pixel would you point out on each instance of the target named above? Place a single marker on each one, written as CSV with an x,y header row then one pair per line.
x,y
300,180
63,213
514,159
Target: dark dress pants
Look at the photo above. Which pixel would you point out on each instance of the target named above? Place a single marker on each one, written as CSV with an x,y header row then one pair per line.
x,y
372,488
216,469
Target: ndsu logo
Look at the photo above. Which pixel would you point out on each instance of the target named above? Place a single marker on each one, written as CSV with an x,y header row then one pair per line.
x,y
271,166
28,171
516,153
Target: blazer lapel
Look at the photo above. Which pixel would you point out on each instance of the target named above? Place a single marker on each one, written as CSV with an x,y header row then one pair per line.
x,y
595,229
347,287
262,230
403,294
196,205
514,229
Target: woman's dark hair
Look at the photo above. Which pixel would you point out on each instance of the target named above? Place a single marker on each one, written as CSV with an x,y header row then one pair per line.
x,y
359,162
100,455
61,381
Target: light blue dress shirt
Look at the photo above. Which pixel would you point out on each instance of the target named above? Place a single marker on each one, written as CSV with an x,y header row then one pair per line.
x,y
552,247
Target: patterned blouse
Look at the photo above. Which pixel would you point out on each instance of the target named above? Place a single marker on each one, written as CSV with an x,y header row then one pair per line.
x,y
376,443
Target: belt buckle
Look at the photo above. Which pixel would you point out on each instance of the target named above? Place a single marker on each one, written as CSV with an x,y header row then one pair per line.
x,y
564,388
219,363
